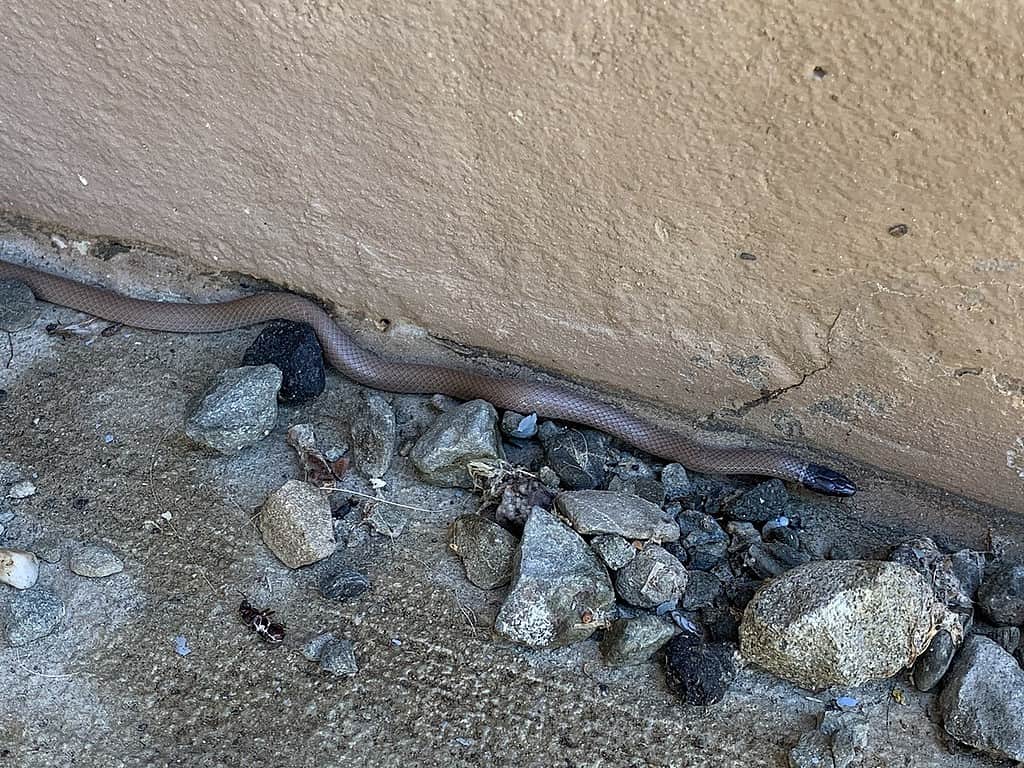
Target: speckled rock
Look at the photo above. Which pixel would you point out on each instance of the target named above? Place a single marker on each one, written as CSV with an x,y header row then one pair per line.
x,y
1001,595
762,502
837,742
578,456
634,641
335,655
295,350
651,578
982,703
623,514
29,615
94,561
487,550
841,622
239,411
342,583
296,524
560,591
17,305
468,432
374,431
614,551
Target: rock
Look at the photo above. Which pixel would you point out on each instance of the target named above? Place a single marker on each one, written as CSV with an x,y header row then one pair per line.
x,y
703,540
30,615
519,498
762,502
1001,595
295,350
982,704
702,590
675,481
560,591
771,558
955,578
295,521
94,561
837,742
934,662
21,490
633,641
517,426
387,520
239,411
343,583
487,550
646,488
613,550
651,578
721,622
1008,638
698,672
334,654
464,434
315,647
592,512
17,306
374,432
578,456
18,568
841,622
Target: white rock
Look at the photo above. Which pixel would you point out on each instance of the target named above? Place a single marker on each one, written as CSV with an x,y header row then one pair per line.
x,y
18,568
21,490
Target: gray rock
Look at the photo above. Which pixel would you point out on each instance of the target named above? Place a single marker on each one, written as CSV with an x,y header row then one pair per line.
x,y
1001,595
464,434
955,578
592,512
651,578
633,641
762,502
702,589
934,662
387,520
374,432
29,615
560,591
239,411
613,550
21,490
647,488
94,561
982,703
703,540
296,524
487,550
17,305
837,742
841,622
1008,638
315,647
578,456
338,657
676,482
342,583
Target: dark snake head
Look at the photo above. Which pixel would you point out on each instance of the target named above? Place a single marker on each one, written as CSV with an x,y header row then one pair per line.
x,y
824,480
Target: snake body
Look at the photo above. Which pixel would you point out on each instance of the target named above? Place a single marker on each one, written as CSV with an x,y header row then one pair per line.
x,y
371,370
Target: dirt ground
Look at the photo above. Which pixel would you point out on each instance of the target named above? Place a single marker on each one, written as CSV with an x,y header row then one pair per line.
x,y
96,425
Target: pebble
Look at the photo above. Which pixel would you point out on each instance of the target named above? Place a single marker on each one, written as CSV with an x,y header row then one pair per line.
x,y
594,512
295,350
517,426
698,672
613,550
982,704
18,568
933,664
837,742
30,615
702,590
374,434
675,482
387,520
560,592
334,654
1001,595
633,641
21,490
651,578
703,540
519,498
94,561
841,622
17,305
486,549
762,503
580,457
462,435
646,488
343,583
296,524
239,411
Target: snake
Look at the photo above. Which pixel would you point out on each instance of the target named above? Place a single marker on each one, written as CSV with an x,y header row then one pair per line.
x,y
549,401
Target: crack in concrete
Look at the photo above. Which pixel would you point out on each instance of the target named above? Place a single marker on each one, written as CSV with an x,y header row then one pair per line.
x,y
767,396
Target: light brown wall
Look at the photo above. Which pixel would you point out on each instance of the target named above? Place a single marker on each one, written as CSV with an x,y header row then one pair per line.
x,y
573,182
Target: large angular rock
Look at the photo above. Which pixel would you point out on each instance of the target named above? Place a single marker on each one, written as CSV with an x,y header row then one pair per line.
x,y
983,702
652,578
634,641
462,435
623,514
842,622
560,591
239,411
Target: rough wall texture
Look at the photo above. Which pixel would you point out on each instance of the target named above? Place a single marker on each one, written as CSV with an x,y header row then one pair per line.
x,y
574,183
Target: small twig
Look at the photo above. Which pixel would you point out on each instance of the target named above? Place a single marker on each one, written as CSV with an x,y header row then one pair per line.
x,y
334,488
10,354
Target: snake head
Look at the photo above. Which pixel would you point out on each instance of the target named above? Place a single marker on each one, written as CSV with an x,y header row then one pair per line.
x,y
824,480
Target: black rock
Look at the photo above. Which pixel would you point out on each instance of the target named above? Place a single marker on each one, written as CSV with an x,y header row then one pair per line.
x,y
702,589
579,457
934,662
1001,595
294,348
343,584
676,482
721,622
702,539
762,503
697,671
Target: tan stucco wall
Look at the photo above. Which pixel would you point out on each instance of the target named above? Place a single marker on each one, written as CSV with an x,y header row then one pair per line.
x,y
572,183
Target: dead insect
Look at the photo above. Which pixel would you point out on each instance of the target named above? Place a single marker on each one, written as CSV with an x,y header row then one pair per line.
x,y
259,621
